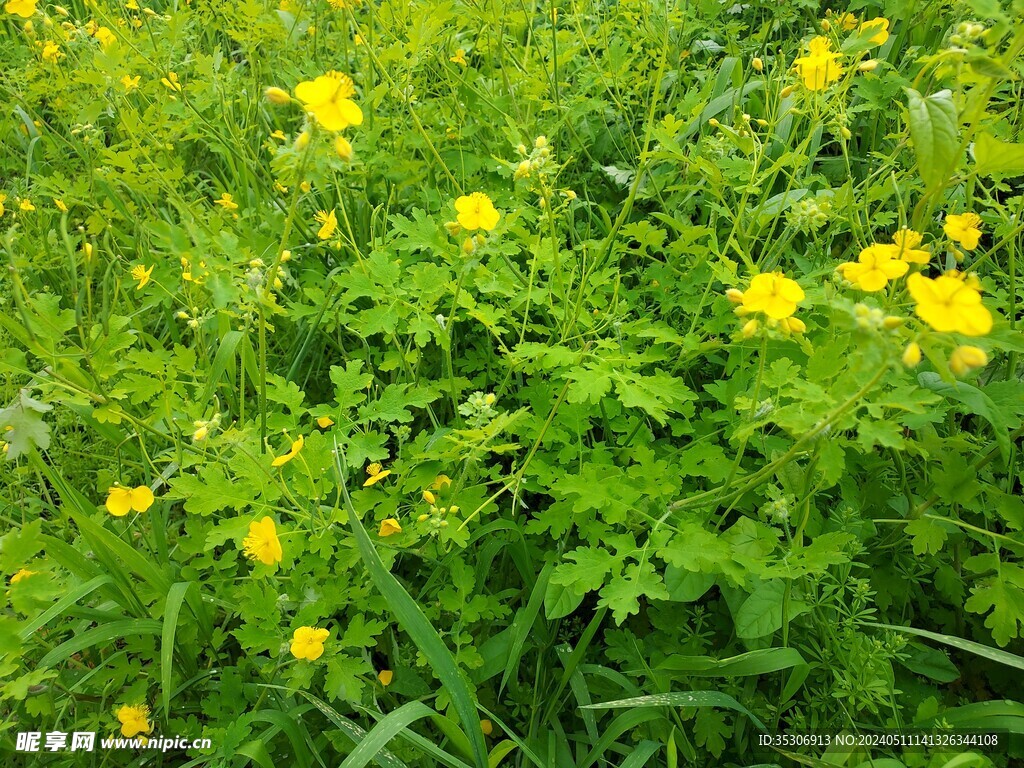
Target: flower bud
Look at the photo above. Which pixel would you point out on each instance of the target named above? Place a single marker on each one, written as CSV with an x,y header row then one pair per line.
x,y
735,295
786,92
757,64
468,246
912,355
892,322
429,497
343,149
302,141
965,358
868,66
540,142
277,95
750,329
845,133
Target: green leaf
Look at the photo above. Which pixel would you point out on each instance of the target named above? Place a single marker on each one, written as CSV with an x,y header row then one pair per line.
x,y
1006,600
107,635
760,662
694,699
992,654
976,402
761,613
622,594
425,637
385,731
927,536
175,599
993,157
22,425
933,129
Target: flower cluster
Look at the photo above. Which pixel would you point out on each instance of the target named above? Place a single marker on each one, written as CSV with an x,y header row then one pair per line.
x,y
773,295
821,65
435,518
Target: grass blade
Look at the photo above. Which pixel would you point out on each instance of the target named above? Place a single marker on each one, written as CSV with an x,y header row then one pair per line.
x,y
384,731
992,654
682,699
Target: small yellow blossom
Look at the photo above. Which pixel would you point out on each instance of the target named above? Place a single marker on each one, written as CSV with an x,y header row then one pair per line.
x,y
23,8
950,303
773,294
226,202
476,211
324,422
201,433
328,222
964,228
819,67
60,205
328,99
24,573
441,481
292,452
459,58
874,268
389,527
385,676
26,205
121,501
376,473
51,52
140,273
105,36
279,135
130,83
262,543
880,29
308,643
966,358
3,199
171,81
906,242
134,720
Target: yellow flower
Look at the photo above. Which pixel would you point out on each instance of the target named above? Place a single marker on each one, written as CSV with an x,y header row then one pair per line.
x,y
342,148
459,58
308,643
121,501
293,451
912,355
389,527
328,222
134,720
105,36
487,727
874,268
130,83
140,273
358,40
327,98
441,481
279,135
950,303
773,294
385,676
965,358
171,81
24,573
846,21
26,205
324,422
906,242
476,211
3,199
201,433
879,27
23,8
51,52
226,202
60,205
819,67
964,228
262,543
376,473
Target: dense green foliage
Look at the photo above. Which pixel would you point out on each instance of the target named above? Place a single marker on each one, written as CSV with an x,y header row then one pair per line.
x,y
596,483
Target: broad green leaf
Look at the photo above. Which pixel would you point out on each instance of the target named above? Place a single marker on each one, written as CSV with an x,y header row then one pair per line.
x,y
998,158
933,129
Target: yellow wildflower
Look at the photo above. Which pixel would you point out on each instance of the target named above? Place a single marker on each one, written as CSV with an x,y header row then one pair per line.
x,y
226,202
376,474
171,81
874,268
134,720
121,501
966,358
441,481
105,36
51,52
327,98
950,303
308,643
60,205
324,422
385,676
819,67
140,273
262,543
328,222
3,199
24,573
26,205
23,8
906,242
964,228
773,294
130,83
879,27
389,527
459,58
476,211
292,452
